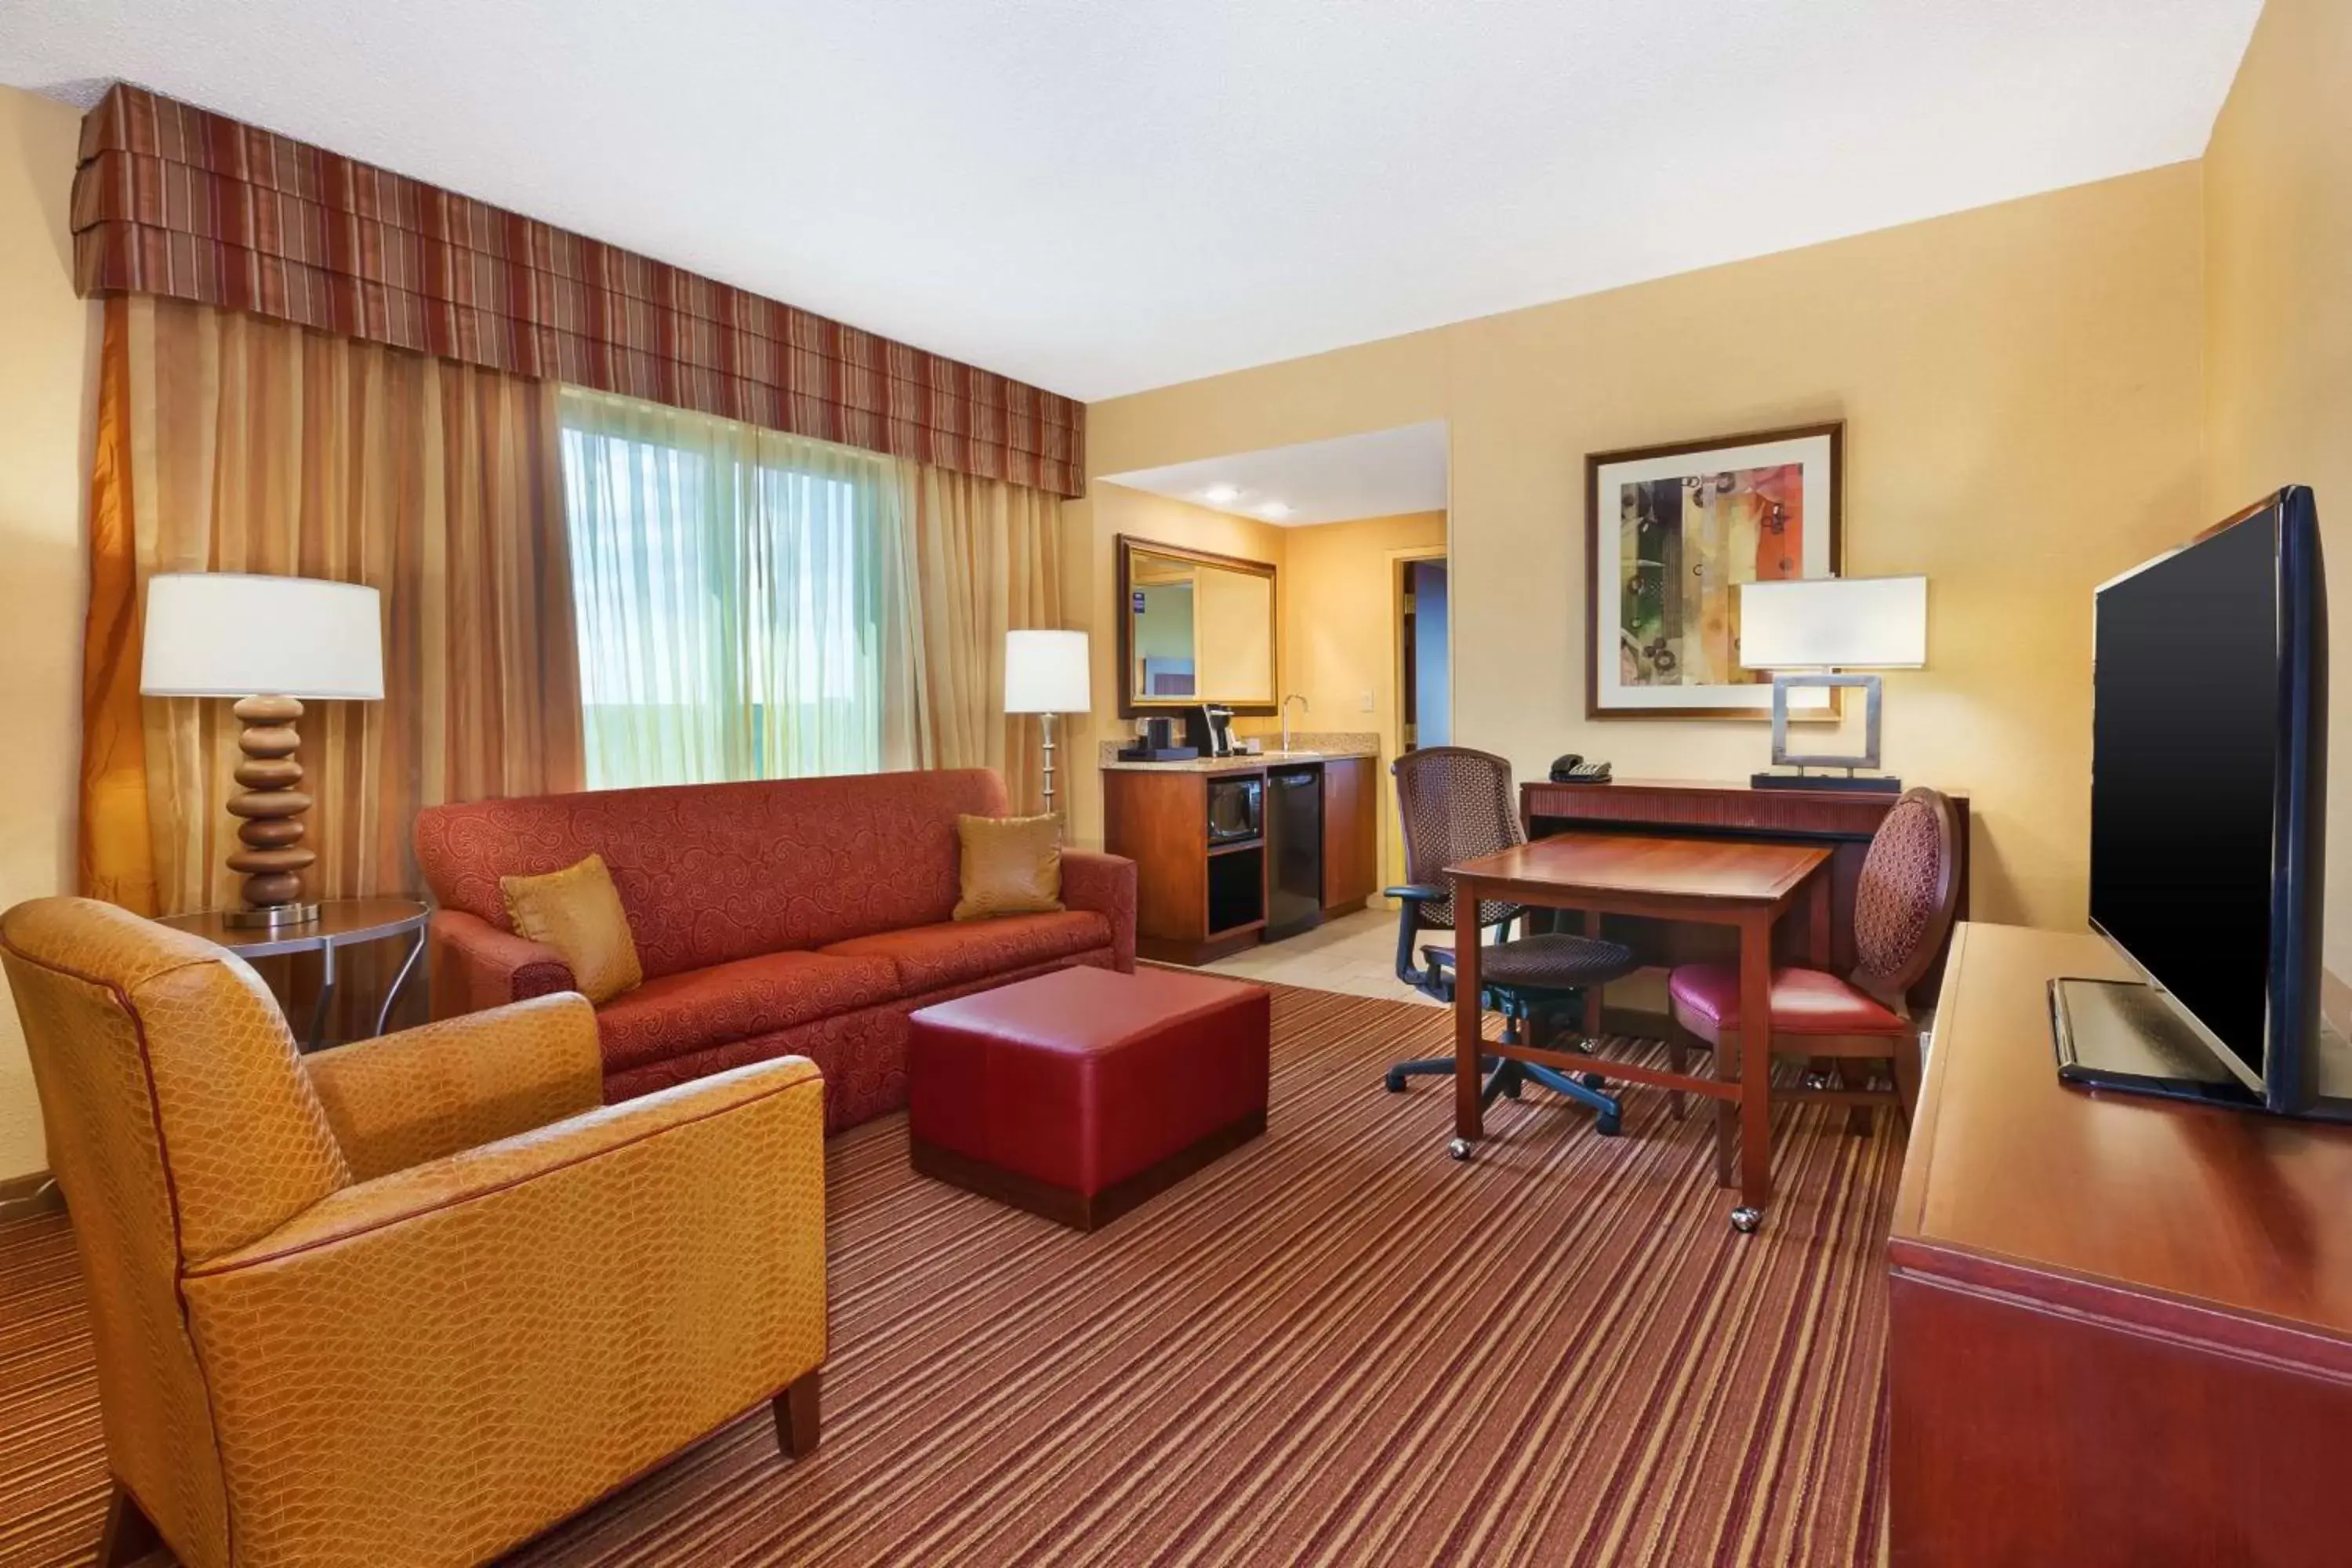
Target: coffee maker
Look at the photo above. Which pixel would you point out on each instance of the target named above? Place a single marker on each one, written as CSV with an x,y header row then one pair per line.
x,y
1157,743
1209,728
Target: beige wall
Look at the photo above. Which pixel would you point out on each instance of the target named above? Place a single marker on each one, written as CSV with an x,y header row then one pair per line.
x,y
1339,627
2020,389
47,365
2278,328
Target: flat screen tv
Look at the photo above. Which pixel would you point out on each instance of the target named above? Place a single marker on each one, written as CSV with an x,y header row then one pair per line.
x,y
2208,800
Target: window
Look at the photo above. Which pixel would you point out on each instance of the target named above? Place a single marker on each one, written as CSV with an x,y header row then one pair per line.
x,y
729,585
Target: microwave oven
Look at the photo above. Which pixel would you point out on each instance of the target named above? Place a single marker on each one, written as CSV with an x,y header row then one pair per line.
x,y
1237,809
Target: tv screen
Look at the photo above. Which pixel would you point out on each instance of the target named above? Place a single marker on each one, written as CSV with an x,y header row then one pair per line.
x,y
2197,838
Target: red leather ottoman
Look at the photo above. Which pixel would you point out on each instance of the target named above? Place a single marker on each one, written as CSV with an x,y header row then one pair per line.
x,y
1079,1094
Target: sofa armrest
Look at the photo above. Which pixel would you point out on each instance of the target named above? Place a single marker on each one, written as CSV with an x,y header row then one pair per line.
x,y
1105,884
448,1359
423,1093
475,966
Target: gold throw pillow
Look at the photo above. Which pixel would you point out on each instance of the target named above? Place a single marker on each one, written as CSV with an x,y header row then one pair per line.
x,y
577,911
1011,866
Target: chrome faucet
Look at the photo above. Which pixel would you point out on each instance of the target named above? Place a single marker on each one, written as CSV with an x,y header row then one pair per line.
x,y
1303,707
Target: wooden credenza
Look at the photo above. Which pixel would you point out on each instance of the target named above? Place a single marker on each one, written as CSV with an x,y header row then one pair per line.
x,y
1840,822
2120,1329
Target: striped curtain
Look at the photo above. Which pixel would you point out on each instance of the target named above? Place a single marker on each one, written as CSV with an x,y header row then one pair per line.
x,y
175,201
229,443
982,557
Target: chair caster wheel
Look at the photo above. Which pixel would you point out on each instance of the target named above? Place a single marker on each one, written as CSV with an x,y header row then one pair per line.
x,y
1511,1091
1609,1126
1459,1148
1592,1080
1816,1080
1395,1082
1746,1220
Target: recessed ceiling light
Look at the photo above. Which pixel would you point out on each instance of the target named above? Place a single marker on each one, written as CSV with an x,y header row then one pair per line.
x,y
1220,495
1274,510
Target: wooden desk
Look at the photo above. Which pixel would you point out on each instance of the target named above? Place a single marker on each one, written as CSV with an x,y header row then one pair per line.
x,y
1839,821
2120,1329
1743,885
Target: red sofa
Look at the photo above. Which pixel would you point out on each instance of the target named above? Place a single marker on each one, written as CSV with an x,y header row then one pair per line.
x,y
799,917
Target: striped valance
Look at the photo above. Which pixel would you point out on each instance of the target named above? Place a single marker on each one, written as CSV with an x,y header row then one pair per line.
x,y
176,201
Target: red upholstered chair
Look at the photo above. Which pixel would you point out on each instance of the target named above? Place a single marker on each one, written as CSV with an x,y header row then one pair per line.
x,y
1902,910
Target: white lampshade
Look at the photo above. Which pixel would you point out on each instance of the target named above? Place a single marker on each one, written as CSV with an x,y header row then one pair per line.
x,y
1835,623
1045,672
227,633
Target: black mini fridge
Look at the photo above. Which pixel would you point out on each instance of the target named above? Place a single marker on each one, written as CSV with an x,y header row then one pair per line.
x,y
1294,845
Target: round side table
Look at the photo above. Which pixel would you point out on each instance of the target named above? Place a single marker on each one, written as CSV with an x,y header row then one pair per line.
x,y
342,922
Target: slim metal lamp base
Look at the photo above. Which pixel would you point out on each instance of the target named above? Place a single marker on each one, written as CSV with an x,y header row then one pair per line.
x,y
1045,723
269,919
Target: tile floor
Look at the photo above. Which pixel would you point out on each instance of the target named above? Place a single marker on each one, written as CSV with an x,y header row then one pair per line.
x,y
1356,956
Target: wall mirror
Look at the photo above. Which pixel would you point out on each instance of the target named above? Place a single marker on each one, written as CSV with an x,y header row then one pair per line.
x,y
1194,627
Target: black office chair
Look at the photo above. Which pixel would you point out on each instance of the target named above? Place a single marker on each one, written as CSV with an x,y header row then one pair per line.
x,y
1455,804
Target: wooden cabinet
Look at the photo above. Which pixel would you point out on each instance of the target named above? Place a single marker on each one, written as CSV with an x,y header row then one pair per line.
x,y
1161,821
1351,832
1186,889
2119,1328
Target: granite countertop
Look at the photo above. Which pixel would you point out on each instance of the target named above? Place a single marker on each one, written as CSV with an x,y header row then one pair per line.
x,y
1304,747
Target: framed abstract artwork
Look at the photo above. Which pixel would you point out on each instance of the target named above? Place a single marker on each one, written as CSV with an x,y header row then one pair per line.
x,y
1671,532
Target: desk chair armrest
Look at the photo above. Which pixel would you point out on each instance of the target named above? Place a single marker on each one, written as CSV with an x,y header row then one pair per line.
x,y
1410,897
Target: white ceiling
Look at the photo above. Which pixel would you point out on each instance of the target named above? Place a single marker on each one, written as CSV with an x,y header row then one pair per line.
x,y
1101,197
1380,474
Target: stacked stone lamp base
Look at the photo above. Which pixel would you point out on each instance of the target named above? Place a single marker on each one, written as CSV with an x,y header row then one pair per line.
x,y
269,810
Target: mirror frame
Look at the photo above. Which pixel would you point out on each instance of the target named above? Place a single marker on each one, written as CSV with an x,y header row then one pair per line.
x,y
1129,707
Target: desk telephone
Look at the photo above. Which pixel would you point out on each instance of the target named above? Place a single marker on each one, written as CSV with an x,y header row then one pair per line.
x,y
1573,769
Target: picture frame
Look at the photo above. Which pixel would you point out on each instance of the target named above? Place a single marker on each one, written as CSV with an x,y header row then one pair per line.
x,y
1699,517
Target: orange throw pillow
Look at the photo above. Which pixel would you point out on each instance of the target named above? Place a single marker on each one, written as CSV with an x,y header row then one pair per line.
x,y
1011,865
577,911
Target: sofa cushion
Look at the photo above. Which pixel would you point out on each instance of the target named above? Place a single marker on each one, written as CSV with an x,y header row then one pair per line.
x,y
576,912
677,1013
1010,866
928,957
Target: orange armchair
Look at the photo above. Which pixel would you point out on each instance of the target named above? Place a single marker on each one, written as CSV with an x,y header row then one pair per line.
x,y
415,1299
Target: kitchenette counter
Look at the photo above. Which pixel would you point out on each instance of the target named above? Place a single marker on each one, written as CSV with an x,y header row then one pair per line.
x,y
1230,851
1305,748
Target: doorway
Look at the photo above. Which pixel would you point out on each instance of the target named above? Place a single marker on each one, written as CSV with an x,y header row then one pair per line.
x,y
1425,675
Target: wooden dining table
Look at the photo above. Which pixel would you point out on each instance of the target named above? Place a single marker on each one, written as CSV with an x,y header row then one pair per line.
x,y
1747,884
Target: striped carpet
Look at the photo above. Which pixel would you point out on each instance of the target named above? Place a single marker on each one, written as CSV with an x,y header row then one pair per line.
x,y
1336,1346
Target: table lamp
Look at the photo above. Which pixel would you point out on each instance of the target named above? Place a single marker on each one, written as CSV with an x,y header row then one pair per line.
x,y
1807,630
1046,673
268,642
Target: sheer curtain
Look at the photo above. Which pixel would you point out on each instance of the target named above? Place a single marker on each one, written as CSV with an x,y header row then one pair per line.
x,y
739,593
